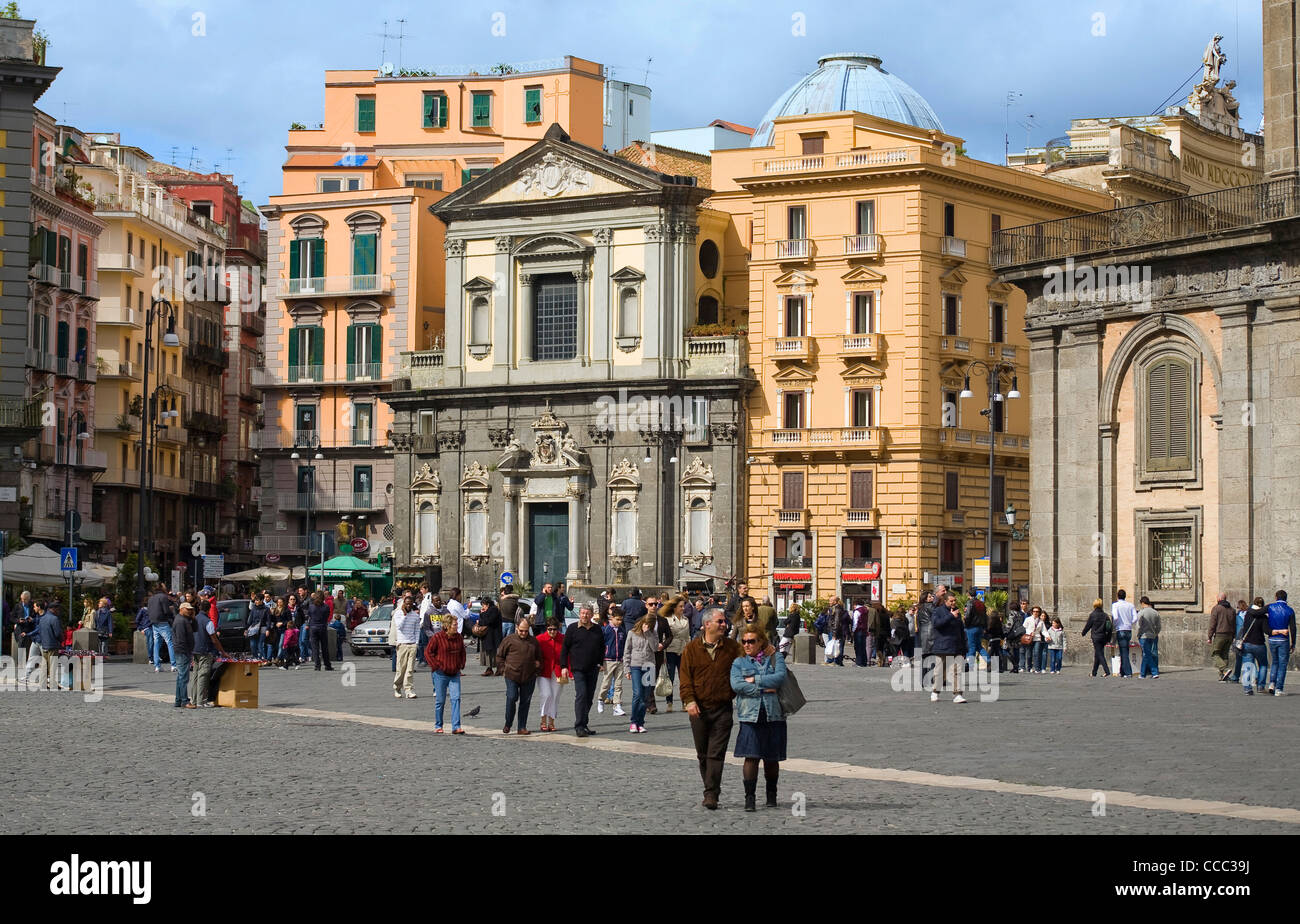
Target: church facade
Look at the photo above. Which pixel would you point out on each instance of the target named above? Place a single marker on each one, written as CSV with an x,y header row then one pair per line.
x,y
582,419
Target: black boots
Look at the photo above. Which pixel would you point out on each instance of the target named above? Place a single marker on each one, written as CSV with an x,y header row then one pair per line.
x,y
771,792
750,798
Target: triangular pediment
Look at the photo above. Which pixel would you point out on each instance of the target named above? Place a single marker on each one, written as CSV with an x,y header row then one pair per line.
x,y
862,276
794,278
999,289
863,371
554,168
794,375
479,284
953,278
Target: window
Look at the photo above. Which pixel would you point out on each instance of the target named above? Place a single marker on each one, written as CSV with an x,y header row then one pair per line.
x,y
863,320
629,106
793,405
555,317
866,217
624,528
791,551
951,406
476,529
709,259
950,490
1170,559
862,408
629,312
362,484
998,323
364,351
306,480
999,495
426,529
480,322
949,220
363,424
533,105
996,223
130,243
951,560
951,315
306,354
813,144
792,491
794,316
998,563
699,530
482,110
41,333
424,425
999,416
860,490
797,222
64,331
365,113
435,109
202,208
333,184
697,419
306,262
83,260
1169,415
365,255
434,182
707,310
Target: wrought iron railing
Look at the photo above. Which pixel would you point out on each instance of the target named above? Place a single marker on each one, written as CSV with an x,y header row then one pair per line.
x,y
1151,223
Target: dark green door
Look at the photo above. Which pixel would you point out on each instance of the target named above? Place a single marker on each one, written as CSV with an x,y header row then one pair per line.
x,y
548,543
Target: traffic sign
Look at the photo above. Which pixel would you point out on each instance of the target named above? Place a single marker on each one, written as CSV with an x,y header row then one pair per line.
x,y
507,578
181,566
273,557
68,558
981,577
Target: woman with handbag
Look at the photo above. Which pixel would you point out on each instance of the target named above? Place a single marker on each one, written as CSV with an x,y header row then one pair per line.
x,y
1096,627
489,633
639,664
1254,648
548,679
1029,638
757,677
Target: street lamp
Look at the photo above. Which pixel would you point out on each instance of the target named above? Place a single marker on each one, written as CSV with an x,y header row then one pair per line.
x,y
310,442
997,374
75,423
157,308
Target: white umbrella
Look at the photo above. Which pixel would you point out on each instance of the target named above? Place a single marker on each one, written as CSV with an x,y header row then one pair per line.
x,y
39,565
252,574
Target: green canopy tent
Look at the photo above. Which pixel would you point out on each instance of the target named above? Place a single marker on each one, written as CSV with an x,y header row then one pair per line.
x,y
347,567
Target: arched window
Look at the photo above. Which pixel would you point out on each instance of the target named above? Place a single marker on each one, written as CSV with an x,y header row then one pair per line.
x,y
426,530
698,539
624,528
629,313
707,312
1169,406
476,529
480,321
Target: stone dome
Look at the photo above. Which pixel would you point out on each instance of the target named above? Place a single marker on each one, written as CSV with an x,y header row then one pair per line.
x,y
849,82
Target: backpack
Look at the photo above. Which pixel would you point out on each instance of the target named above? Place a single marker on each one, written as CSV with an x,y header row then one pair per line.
x,y
821,622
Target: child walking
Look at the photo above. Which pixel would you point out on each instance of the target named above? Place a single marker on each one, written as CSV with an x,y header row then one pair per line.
x,y
1056,644
289,647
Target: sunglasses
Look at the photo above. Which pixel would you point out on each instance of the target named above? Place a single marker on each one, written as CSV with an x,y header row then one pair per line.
x,y
749,641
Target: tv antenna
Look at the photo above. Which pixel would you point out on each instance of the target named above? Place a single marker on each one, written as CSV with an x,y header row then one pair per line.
x,y
1012,96
383,50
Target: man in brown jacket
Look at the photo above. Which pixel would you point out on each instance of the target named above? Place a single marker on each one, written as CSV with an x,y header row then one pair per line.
x,y
1223,626
519,658
707,695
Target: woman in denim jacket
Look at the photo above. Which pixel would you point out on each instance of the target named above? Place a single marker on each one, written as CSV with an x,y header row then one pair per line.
x,y
757,678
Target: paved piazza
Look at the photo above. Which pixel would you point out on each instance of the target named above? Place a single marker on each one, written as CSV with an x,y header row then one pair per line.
x,y
1170,755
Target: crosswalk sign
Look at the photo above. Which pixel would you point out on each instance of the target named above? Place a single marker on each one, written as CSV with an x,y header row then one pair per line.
x,y
68,558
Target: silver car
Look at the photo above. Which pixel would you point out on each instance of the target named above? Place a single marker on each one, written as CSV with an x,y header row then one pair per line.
x,y
372,635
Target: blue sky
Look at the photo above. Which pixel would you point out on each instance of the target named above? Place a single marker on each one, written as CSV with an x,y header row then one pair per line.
x,y
136,66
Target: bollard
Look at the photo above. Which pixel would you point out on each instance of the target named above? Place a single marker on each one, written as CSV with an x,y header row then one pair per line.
x,y
139,648
804,649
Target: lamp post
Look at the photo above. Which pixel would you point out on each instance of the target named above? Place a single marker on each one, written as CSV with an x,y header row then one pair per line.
x,y
309,444
74,432
1017,535
156,309
997,373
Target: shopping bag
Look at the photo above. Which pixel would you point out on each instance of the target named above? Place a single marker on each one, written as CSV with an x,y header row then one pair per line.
x,y
1114,664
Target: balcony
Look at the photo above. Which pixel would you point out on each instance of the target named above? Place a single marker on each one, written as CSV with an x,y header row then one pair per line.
x,y
813,163
862,346
1000,352
424,368
1148,225
174,435
332,501
717,357
865,517
954,519
280,544
91,459
108,422
862,245
21,414
314,287
48,528
120,370
108,262
165,213
85,372
200,420
208,353
285,440
956,348
871,438
795,250
40,361
119,477
953,247
170,485
339,374
792,519
253,321
794,348
115,314
978,440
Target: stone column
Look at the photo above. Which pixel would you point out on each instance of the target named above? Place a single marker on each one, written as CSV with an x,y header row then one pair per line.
x,y
526,295
503,351
600,306
576,491
510,555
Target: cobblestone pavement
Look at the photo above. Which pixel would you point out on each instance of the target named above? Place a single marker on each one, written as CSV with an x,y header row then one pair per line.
x,y
322,756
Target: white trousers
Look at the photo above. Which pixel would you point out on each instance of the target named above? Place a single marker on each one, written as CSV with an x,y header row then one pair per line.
x,y
548,688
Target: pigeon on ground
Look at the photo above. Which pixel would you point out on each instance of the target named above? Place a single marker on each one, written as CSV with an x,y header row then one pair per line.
x,y
473,712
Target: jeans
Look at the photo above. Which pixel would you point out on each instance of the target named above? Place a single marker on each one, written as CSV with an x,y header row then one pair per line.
x,y
148,641
973,638
639,676
1040,655
183,681
1122,641
521,693
671,663
1027,657
1150,657
1254,667
1279,649
304,644
584,688
444,685
163,632
266,648
1057,655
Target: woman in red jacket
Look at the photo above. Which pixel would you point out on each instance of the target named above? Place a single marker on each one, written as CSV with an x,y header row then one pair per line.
x,y
548,680
446,656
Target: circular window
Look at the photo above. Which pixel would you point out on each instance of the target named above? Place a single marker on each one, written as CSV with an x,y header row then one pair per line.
x,y
709,259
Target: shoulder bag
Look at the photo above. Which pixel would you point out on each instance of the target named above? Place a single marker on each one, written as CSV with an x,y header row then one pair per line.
x,y
790,695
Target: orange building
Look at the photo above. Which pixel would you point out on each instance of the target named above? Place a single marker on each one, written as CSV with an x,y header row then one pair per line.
x,y
355,274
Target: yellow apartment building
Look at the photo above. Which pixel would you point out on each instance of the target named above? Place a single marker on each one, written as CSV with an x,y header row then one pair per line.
x,y
355,269
871,309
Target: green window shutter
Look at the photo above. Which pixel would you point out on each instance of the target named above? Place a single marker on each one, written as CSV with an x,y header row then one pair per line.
x,y
442,110
482,110
37,247
1158,416
365,114
352,344
63,340
533,104
295,259
364,257
376,350
430,110
51,248
318,259
464,177
294,336
317,346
